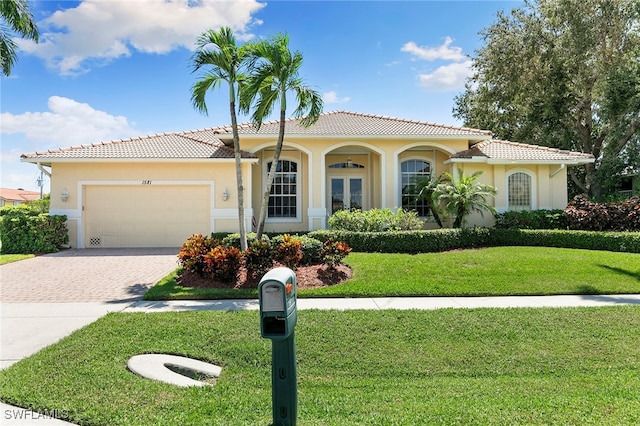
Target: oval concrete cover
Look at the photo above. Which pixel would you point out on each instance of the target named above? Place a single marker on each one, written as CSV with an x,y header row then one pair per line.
x,y
156,367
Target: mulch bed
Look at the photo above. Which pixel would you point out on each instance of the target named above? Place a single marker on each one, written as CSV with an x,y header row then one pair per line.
x,y
307,277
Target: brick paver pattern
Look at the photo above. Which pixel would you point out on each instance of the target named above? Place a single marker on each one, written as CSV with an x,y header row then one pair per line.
x,y
90,275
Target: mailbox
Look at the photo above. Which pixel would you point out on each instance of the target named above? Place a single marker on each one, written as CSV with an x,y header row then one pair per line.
x,y
277,297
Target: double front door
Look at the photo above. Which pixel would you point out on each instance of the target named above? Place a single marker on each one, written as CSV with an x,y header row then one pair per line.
x,y
346,193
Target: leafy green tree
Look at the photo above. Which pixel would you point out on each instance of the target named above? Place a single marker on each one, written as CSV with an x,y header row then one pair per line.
x,y
227,63
463,195
563,74
276,74
16,18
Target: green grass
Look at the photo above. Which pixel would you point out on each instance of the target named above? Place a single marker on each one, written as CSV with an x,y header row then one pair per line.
x,y
482,366
8,258
492,271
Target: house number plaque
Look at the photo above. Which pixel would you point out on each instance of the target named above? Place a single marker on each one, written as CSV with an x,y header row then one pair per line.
x,y
146,182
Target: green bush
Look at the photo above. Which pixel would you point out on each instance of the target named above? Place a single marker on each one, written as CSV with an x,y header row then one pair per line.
x,y
26,230
374,220
233,240
535,219
589,240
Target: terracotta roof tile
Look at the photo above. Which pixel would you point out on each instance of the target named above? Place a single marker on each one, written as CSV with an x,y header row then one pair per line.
x,y
345,123
505,150
167,145
18,195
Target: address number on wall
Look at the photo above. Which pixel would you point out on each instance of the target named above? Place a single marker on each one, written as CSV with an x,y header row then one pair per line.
x,y
146,182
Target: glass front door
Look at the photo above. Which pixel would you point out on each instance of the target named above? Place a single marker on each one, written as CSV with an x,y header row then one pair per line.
x,y
346,193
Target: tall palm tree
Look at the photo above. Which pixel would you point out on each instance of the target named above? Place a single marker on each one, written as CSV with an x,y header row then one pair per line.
x,y
227,62
17,18
464,195
275,75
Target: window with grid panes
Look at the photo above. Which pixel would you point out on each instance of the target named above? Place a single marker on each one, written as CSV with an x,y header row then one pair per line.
x,y
283,201
519,190
411,171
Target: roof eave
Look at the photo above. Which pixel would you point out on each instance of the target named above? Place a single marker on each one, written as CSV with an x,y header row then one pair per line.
x,y
46,161
506,161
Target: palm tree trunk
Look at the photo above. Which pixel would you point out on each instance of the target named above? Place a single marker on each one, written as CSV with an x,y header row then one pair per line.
x,y
271,176
240,187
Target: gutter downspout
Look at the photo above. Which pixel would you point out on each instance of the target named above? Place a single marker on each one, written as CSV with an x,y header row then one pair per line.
x,y
42,169
552,174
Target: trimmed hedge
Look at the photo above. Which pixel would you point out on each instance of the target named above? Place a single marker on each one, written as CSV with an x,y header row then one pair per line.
x,y
535,219
24,230
438,240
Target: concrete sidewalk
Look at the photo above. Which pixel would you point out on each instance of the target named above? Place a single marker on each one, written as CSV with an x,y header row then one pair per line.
x,y
29,327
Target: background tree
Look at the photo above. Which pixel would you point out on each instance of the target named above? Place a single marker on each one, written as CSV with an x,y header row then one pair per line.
x,y
463,195
563,74
16,18
227,62
275,75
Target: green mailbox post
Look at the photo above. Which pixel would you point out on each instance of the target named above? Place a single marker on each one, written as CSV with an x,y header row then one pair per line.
x,y
278,317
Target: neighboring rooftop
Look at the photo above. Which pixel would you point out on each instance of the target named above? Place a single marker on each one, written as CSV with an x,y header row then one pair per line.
x,y
513,151
19,195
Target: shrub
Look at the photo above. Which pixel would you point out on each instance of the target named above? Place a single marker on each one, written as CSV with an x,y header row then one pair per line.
x,y
535,219
311,250
586,215
333,252
258,258
288,251
233,240
374,220
23,229
223,263
191,255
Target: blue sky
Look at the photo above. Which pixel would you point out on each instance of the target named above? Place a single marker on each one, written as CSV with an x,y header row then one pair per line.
x,y
112,69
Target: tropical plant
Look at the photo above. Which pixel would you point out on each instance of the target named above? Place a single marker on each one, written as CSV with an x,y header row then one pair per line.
x,y
276,74
424,190
17,18
463,195
227,62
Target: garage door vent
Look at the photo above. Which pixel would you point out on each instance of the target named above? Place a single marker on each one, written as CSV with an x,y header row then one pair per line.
x,y
95,241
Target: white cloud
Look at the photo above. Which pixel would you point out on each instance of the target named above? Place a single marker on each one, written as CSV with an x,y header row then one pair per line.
x,y
332,97
98,31
447,77
67,123
444,52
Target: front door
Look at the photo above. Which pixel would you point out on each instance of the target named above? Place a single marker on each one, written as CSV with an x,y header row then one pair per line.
x,y
346,193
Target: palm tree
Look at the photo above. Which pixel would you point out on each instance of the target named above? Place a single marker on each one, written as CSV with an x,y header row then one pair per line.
x,y
18,18
425,190
227,62
275,75
464,195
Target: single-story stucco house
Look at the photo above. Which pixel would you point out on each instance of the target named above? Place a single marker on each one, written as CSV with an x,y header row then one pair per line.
x,y
157,190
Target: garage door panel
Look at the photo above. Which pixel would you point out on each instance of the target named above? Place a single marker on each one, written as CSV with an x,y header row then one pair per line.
x,y
145,216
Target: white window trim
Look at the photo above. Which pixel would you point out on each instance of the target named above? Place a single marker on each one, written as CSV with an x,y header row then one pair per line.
x,y
532,176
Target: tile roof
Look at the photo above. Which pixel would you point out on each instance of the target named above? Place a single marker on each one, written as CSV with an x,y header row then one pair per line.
x,y
167,145
18,195
513,151
345,123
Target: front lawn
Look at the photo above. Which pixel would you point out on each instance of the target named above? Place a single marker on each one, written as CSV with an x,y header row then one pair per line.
x,y
8,258
495,271
481,366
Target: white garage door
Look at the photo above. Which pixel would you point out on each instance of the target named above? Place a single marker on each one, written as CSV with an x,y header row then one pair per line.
x,y
145,215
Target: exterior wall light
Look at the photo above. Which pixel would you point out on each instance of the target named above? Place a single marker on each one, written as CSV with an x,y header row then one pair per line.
x,y
64,196
225,195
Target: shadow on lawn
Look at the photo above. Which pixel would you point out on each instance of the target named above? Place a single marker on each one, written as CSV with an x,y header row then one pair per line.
x,y
621,271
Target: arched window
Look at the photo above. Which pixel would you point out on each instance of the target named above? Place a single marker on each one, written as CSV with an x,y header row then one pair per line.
x,y
519,191
411,172
283,201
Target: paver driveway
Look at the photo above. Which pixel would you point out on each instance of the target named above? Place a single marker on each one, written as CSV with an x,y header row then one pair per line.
x,y
90,275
